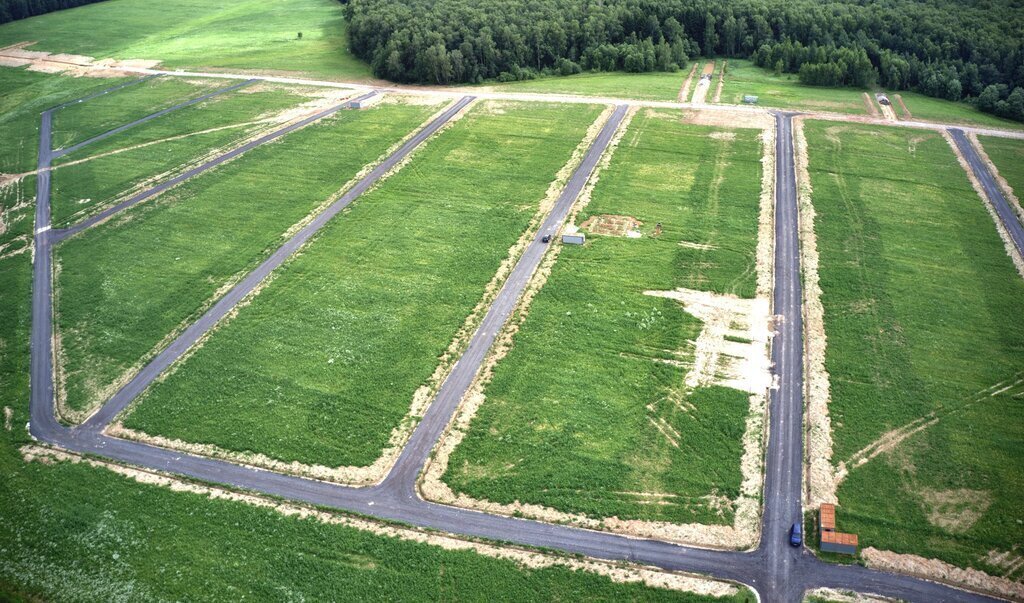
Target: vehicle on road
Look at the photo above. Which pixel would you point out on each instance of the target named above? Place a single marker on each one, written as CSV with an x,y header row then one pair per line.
x,y
545,239
795,535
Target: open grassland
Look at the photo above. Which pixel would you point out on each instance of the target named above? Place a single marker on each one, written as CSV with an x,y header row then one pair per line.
x,y
644,86
743,77
165,144
125,285
918,293
927,108
71,532
23,96
324,364
82,121
589,412
246,34
1008,156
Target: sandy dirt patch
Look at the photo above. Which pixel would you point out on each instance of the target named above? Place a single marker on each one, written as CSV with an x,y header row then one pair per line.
x,y
743,533
684,91
721,82
940,571
1003,184
8,417
525,558
700,93
72,65
887,111
754,118
870,105
846,596
820,476
906,112
1008,561
955,511
613,226
1011,249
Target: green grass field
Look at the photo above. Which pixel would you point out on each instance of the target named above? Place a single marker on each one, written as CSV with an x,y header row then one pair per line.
x,y
743,77
568,418
128,283
81,121
300,374
246,34
82,188
927,108
1008,156
918,291
645,86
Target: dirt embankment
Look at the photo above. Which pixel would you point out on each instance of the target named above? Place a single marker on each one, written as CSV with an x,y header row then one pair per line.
x,y
933,569
684,92
906,112
721,82
870,105
700,93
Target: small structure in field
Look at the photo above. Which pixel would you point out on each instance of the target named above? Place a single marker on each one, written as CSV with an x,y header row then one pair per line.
x,y
882,99
369,101
749,99
831,540
572,236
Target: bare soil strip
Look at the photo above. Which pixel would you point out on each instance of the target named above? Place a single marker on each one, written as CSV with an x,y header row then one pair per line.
x,y
721,82
846,596
700,93
906,112
68,64
1011,249
940,571
525,558
684,92
820,476
870,105
744,532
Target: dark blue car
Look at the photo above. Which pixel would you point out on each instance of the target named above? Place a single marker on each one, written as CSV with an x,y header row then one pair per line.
x,y
795,535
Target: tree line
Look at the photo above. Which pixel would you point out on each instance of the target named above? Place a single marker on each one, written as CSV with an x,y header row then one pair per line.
x,y
12,10
953,49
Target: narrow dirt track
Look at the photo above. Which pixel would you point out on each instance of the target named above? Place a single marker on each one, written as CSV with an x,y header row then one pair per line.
x,y
775,570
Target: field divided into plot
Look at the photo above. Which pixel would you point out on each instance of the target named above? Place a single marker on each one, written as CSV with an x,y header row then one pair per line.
x,y
645,86
1008,156
125,285
324,364
743,77
572,415
928,108
919,297
170,142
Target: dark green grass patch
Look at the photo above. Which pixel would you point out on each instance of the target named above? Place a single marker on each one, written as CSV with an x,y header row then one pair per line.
x,y
568,418
919,293
324,363
125,285
81,188
1008,156
82,121
743,77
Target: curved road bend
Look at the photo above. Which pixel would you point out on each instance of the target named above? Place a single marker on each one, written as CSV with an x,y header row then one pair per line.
x,y
777,572
995,194
61,234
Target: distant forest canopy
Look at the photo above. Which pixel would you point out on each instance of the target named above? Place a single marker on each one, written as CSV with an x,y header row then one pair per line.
x,y
12,10
952,49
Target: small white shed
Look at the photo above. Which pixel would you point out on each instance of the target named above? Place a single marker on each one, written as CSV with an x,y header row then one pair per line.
x,y
574,238
362,103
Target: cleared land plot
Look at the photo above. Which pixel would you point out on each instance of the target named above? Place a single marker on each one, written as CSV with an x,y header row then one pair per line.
x,y
82,121
743,77
127,284
324,364
245,34
927,108
23,96
164,145
644,86
589,412
1008,156
918,293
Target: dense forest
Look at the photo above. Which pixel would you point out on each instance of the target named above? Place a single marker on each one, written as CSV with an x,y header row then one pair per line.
x,y
12,10
970,49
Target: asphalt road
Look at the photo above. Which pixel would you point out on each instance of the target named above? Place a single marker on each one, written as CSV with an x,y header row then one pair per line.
x,y
777,571
995,194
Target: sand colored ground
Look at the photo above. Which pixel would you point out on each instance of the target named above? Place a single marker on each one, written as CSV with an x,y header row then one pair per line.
x,y
700,92
933,569
845,596
721,82
870,105
617,572
744,532
613,226
684,91
906,112
72,65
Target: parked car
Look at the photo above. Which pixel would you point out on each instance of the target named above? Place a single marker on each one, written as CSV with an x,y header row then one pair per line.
x,y
545,239
795,535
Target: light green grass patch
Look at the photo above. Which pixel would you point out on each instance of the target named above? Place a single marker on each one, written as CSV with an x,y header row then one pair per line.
x,y
1008,156
82,188
570,416
643,86
743,77
244,34
125,285
324,363
917,290
927,108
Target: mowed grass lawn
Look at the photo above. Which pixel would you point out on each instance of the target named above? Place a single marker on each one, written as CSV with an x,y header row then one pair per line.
x,y
125,285
245,34
1008,156
927,108
324,363
645,86
80,121
920,302
566,421
172,142
743,77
